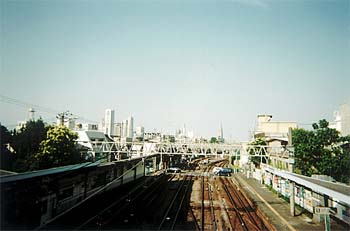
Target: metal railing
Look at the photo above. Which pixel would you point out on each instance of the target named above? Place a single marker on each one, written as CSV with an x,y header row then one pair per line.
x,y
140,149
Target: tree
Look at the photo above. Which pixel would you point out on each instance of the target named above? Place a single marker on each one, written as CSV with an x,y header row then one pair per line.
x,y
322,151
304,150
58,149
213,140
257,159
26,144
6,157
343,170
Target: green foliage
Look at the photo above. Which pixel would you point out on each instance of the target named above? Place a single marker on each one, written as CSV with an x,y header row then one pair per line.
x,y
5,135
26,143
214,140
36,146
6,157
304,150
322,151
58,149
257,159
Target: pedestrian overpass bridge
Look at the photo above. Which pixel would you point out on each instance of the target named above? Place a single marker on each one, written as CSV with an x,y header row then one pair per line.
x,y
122,150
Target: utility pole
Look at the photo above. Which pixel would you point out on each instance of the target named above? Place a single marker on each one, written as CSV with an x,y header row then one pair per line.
x,y
62,116
291,183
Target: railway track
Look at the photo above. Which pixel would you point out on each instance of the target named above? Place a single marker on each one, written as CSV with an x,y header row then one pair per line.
x,y
170,218
247,205
244,211
223,206
178,201
205,211
162,203
106,216
212,208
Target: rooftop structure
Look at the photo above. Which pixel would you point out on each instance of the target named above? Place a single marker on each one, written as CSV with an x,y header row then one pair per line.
x,y
276,134
342,119
273,129
86,127
92,140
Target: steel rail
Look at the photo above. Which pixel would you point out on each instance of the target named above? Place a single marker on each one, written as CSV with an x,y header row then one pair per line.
x,y
239,197
181,202
153,195
235,206
212,208
123,198
202,208
106,209
138,195
194,219
171,204
226,209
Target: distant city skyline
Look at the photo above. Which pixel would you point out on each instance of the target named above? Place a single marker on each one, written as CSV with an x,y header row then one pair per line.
x,y
170,63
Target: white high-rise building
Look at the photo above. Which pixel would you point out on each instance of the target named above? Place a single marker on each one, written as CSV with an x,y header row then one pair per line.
x,y
140,132
118,129
342,119
190,134
130,127
124,128
127,128
344,111
221,135
109,122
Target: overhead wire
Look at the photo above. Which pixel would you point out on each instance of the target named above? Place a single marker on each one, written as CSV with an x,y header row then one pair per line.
x,y
13,101
21,103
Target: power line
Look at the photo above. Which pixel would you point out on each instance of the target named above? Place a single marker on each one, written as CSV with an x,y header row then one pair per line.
x,y
9,100
13,101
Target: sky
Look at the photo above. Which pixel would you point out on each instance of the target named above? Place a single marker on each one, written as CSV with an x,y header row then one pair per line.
x,y
175,62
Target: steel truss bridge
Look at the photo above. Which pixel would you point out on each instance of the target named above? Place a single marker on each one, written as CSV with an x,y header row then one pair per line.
x,y
139,149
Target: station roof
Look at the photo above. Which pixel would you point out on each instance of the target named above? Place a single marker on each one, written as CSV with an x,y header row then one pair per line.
x,y
341,188
33,174
5,172
338,191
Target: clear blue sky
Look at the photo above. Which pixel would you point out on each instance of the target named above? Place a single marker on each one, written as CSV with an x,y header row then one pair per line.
x,y
169,63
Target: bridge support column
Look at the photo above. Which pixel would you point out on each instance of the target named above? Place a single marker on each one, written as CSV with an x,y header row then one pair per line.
x,y
262,177
291,198
161,164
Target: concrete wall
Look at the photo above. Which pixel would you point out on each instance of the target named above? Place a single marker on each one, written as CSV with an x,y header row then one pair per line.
x,y
276,127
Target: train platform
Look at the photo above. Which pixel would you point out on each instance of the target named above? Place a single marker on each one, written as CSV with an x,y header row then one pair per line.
x,y
277,210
